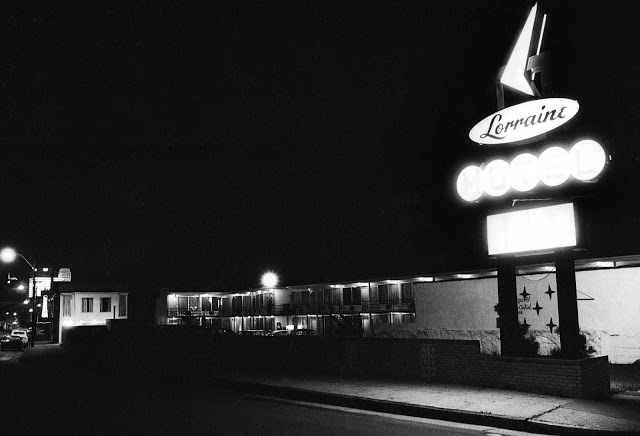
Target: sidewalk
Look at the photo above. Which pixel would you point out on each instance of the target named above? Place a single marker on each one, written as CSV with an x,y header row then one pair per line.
x,y
506,409
472,405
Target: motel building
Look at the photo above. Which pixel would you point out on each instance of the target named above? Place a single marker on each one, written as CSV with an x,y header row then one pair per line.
x,y
328,309
459,305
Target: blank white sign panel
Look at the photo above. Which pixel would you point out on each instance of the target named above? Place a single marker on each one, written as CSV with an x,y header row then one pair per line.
x,y
540,228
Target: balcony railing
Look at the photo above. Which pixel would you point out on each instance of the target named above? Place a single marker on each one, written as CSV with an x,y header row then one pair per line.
x,y
407,306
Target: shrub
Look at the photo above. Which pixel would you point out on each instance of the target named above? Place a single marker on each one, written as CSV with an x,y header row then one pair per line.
x,y
527,346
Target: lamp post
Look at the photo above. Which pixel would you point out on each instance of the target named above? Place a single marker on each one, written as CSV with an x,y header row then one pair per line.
x,y
8,255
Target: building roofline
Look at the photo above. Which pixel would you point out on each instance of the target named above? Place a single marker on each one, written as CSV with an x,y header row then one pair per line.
x,y
611,262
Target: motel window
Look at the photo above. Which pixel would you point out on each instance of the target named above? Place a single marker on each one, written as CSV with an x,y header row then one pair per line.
x,y
122,305
66,305
351,296
216,303
304,298
172,302
268,301
194,303
236,304
333,296
383,293
356,295
105,305
87,304
346,296
182,303
393,292
314,299
373,295
206,304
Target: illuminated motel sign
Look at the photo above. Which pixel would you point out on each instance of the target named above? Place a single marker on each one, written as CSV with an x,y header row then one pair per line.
x,y
527,122
553,167
548,230
524,121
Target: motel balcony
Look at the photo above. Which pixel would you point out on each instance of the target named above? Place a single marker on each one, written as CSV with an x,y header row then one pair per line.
x,y
179,313
281,309
402,306
405,306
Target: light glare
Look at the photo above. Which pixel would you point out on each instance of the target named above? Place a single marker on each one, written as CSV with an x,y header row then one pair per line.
x,y
524,172
587,160
269,279
496,178
470,183
8,255
555,166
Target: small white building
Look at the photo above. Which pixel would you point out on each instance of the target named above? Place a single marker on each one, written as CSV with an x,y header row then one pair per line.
x,y
91,308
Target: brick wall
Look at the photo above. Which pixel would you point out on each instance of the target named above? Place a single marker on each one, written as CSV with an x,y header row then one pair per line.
x,y
452,361
461,362
430,360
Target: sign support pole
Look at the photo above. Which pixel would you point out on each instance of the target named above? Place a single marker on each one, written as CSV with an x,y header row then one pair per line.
x,y
508,304
567,304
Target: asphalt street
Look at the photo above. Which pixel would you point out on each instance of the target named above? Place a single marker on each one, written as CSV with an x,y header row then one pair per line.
x,y
63,397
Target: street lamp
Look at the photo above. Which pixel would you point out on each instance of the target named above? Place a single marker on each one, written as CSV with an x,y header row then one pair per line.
x,y
269,279
8,255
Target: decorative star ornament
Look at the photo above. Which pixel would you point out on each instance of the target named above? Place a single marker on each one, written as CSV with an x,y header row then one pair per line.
x,y
538,308
550,292
551,325
524,294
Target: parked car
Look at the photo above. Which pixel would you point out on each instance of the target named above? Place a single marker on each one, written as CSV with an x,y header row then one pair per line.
x,y
279,333
22,334
251,333
8,342
303,332
223,332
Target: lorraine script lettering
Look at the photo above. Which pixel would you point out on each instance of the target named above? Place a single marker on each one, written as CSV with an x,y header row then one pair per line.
x,y
496,128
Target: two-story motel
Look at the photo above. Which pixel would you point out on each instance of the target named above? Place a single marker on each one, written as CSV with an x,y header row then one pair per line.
x,y
457,305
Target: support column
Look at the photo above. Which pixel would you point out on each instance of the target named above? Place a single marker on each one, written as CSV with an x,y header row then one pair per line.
x,y
508,304
567,304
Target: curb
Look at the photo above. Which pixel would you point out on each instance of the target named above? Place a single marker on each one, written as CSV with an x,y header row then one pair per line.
x,y
397,408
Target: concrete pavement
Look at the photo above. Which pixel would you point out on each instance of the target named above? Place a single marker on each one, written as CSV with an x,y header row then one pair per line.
x,y
474,405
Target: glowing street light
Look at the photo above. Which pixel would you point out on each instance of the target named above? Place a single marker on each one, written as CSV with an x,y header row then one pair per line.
x,y
8,255
21,287
269,279
25,302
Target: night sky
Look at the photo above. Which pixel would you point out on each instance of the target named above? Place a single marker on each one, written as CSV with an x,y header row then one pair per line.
x,y
154,144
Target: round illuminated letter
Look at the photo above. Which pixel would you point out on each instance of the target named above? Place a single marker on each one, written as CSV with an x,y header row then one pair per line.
x,y
587,159
524,172
554,166
496,178
470,183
